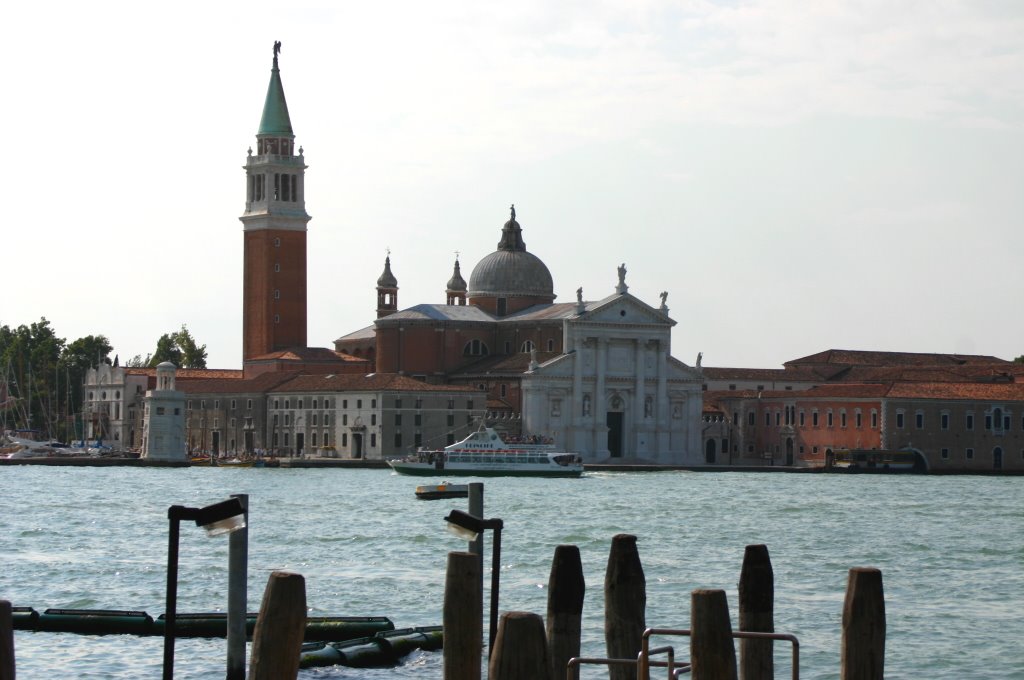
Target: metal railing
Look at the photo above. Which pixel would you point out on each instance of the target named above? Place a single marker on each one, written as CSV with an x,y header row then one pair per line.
x,y
644,662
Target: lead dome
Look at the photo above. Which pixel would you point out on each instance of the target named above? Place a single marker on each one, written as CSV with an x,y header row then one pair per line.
x,y
511,271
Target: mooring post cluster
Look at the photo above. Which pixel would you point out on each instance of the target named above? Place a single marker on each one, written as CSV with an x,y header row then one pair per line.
x,y
6,641
528,649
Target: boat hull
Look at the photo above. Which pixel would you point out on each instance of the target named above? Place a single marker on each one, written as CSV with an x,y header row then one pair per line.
x,y
481,470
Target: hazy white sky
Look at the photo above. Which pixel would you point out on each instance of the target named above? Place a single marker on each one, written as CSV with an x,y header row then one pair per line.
x,y
797,175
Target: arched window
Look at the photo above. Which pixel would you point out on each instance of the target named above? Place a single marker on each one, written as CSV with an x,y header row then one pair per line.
x,y
475,348
528,346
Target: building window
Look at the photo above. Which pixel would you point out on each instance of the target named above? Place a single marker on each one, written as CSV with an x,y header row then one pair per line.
x,y
874,419
417,440
327,439
300,404
451,404
508,347
767,419
760,388
344,419
277,294
188,404
344,439
858,418
359,403
373,419
398,440
314,420
735,418
945,454
202,403
919,420
417,420
801,418
287,439
398,419
814,418
373,403
828,418
276,404
969,454
313,436
732,387
475,348
842,419
969,422
988,422
899,419
551,345
944,421
398,403
373,440
275,420
419,403
451,420
344,403
287,419
277,268
778,418
277,243
277,318
528,346
469,404
314,403
750,419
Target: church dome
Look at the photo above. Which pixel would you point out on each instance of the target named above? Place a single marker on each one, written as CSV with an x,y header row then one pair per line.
x,y
511,271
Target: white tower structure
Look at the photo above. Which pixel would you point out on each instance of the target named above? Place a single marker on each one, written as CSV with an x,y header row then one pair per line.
x,y
163,436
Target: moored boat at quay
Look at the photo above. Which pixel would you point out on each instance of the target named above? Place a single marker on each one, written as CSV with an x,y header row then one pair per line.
x,y
485,454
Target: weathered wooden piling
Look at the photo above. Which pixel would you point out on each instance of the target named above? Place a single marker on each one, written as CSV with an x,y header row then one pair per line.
x,y
280,627
712,654
566,589
6,641
520,650
463,617
757,606
863,646
625,603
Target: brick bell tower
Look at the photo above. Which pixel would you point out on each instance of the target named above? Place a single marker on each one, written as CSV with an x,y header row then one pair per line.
x,y
274,226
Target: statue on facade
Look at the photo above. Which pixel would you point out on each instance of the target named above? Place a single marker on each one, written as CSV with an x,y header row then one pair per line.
x,y
277,48
700,356
622,274
513,212
664,297
579,295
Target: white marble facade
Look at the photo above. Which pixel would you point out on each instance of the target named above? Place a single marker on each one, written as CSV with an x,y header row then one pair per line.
x,y
616,394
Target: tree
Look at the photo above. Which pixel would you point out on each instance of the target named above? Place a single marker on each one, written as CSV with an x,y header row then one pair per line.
x,y
166,350
192,355
76,359
29,357
179,348
1019,360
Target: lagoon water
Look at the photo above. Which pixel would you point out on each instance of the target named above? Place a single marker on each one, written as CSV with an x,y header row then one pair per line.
x,y
951,550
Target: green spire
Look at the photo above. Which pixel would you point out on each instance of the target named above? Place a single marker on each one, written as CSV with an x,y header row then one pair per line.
x,y
275,121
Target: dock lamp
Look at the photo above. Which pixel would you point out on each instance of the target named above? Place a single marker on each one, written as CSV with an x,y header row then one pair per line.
x,y
217,519
468,527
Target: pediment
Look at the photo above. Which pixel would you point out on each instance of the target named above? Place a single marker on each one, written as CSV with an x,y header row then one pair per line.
x,y
624,309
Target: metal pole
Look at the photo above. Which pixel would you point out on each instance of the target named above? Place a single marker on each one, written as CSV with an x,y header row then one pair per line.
x,y
238,570
495,572
171,605
476,546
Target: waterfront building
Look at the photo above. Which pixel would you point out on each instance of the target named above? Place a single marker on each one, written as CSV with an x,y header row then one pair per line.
x,y
163,435
959,413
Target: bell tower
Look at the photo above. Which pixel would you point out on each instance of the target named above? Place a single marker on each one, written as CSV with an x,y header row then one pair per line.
x,y
274,228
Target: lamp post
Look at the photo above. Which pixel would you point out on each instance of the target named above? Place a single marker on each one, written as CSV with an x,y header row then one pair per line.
x,y
217,519
468,527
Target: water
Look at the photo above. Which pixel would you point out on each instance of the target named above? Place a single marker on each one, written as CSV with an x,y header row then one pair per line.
x,y
951,551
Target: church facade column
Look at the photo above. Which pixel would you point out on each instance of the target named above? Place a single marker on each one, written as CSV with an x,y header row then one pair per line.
x,y
600,427
641,416
576,403
664,423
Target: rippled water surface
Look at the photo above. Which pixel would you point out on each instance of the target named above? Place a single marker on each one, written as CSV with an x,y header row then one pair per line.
x,y
951,550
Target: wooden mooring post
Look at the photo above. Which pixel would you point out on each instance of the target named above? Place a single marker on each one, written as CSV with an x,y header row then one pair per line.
x,y
625,605
757,605
6,641
280,628
566,589
863,646
712,654
520,650
463,617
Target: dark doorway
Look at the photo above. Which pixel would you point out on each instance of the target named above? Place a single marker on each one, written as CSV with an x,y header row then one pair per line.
x,y
709,452
789,451
997,458
357,446
614,422
300,441
249,446
216,442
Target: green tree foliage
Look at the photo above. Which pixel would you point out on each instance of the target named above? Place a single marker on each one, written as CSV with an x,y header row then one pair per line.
x,y
180,349
1019,360
44,375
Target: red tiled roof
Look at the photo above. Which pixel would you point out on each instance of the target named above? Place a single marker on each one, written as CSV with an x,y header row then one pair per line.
x,y
958,390
307,354
847,357
372,381
190,373
256,385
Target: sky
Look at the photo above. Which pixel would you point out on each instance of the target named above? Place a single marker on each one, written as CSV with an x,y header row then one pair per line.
x,y
798,176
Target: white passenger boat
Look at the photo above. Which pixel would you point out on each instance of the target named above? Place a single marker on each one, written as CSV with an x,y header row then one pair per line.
x,y
485,454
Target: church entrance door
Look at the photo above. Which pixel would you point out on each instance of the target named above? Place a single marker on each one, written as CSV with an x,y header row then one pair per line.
x,y
216,442
249,446
300,442
614,422
709,452
789,451
357,446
